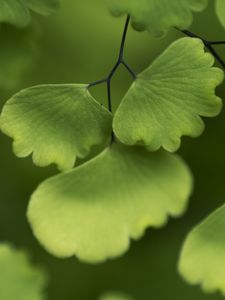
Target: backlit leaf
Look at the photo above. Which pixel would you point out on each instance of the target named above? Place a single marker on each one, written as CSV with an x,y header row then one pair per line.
x,y
158,16
18,278
94,210
56,122
17,12
202,259
166,101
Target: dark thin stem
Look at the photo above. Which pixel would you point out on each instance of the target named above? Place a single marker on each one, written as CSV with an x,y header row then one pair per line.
x,y
119,61
216,55
110,106
217,43
189,33
124,39
109,96
113,71
208,45
129,69
97,82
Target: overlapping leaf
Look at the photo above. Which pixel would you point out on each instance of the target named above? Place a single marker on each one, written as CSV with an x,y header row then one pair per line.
x,y
115,296
56,122
158,16
17,12
166,101
18,278
220,10
202,259
93,210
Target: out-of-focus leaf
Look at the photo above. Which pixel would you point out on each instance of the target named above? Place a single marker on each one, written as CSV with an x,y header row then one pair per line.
x,y
202,259
115,296
220,10
19,280
158,16
17,12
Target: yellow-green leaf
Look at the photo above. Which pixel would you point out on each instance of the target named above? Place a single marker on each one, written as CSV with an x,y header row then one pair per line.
x,y
57,123
166,100
202,258
94,210
19,280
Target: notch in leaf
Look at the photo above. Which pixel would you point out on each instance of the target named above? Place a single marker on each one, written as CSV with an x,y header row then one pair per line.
x,y
166,101
18,278
202,258
158,16
56,122
94,210
17,12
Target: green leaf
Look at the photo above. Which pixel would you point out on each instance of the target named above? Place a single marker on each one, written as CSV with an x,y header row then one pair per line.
x,y
166,101
94,210
42,7
115,296
56,122
202,259
17,12
18,278
220,10
158,16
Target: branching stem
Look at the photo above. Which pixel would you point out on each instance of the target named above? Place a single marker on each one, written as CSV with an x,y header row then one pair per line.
x,y
120,61
208,44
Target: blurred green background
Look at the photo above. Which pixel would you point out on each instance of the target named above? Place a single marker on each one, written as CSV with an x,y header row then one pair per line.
x,y
80,44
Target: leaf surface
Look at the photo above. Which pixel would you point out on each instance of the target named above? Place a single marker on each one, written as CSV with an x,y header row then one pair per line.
x,y
166,101
18,278
56,122
158,16
94,210
220,10
202,259
17,12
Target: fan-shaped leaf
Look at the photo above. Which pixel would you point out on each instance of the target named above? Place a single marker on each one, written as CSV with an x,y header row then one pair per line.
x,y
56,123
158,16
115,296
202,259
220,10
167,100
18,279
93,210
17,12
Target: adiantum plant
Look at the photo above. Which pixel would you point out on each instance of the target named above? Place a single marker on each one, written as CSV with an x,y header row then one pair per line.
x,y
18,12
94,209
19,43
19,279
